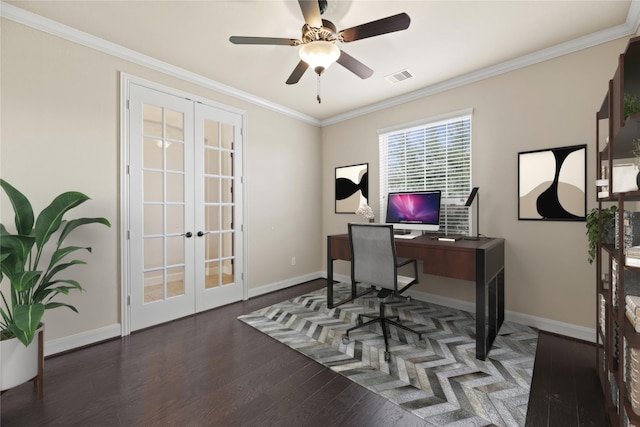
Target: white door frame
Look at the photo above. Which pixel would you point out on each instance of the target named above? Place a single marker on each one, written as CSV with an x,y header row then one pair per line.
x,y
125,268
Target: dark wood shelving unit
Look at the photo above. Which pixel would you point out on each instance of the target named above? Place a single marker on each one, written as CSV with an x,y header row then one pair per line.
x,y
615,134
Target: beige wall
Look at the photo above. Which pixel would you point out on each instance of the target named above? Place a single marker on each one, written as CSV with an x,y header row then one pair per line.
x,y
59,131
550,104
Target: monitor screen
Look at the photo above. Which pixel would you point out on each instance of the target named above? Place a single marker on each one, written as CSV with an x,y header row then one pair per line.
x,y
414,210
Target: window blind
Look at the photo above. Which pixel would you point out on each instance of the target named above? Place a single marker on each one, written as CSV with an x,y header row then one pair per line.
x,y
431,156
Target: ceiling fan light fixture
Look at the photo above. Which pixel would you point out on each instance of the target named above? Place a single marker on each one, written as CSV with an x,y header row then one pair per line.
x,y
319,55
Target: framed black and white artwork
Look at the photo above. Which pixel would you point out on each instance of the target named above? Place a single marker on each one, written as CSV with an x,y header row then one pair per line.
x,y
352,187
552,184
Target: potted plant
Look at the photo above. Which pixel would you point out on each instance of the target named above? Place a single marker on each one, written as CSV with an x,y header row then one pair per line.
x,y
608,228
31,261
631,105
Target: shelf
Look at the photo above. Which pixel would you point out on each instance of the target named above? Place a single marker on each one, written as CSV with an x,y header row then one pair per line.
x,y
617,150
623,142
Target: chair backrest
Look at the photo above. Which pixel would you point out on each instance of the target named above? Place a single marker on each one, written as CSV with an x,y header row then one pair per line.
x,y
373,255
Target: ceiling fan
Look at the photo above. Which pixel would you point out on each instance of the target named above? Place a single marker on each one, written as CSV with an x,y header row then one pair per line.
x,y
318,49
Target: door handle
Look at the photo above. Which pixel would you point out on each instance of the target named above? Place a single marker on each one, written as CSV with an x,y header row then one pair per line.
x,y
201,233
188,234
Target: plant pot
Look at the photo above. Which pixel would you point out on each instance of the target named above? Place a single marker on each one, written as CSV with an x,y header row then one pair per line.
x,y
21,364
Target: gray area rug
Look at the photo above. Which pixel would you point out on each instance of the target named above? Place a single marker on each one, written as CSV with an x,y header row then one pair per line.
x,y
438,379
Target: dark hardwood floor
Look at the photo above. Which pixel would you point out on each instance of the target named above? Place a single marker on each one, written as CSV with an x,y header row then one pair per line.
x,y
213,370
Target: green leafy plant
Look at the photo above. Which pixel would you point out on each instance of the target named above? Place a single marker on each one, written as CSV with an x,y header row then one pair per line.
x,y
608,228
631,105
33,280
636,148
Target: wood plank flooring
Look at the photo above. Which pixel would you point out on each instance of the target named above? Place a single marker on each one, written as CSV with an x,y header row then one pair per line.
x,y
213,370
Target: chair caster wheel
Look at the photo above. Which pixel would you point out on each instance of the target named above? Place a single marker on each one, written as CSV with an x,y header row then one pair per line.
x,y
387,356
359,321
345,339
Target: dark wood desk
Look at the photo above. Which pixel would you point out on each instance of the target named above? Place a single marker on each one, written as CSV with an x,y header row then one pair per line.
x,y
480,261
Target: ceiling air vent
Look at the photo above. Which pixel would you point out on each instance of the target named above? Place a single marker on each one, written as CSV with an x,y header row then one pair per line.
x,y
399,76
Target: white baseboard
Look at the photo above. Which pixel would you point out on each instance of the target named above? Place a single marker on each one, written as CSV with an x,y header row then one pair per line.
x,y
276,286
557,327
81,339
112,331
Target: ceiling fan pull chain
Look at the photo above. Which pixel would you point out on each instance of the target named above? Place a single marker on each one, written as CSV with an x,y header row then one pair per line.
x,y
318,96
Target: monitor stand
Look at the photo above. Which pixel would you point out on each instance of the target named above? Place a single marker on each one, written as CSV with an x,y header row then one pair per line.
x,y
401,232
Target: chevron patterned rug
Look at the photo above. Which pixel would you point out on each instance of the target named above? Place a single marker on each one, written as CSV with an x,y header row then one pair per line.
x,y
438,379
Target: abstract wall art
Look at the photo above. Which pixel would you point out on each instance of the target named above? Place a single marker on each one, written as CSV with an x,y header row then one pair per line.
x,y
352,187
552,184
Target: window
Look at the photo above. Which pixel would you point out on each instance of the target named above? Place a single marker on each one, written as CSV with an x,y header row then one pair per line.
x,y
434,154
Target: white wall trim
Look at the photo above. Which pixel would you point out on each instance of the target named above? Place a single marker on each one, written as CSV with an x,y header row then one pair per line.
x,y
276,286
54,28
113,331
65,32
557,327
630,27
80,340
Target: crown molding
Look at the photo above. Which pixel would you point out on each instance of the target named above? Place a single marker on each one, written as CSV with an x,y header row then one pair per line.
x,y
21,16
57,29
630,27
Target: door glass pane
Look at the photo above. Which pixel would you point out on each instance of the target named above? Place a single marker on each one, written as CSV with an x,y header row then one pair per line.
x,y
227,245
227,217
174,125
211,131
152,121
175,282
175,219
227,276
153,219
226,137
153,252
212,217
153,286
212,242
175,156
212,272
226,190
175,250
211,163
211,192
152,153
175,187
226,160
152,186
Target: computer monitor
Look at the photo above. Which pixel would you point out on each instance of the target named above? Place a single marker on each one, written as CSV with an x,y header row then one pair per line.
x,y
418,210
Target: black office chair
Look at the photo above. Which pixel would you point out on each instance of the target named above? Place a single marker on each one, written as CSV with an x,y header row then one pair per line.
x,y
374,263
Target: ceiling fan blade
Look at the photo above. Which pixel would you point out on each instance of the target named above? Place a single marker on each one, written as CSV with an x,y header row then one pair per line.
x,y
297,73
386,25
311,12
263,40
353,65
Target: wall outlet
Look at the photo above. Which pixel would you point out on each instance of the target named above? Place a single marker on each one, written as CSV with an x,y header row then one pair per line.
x,y
293,260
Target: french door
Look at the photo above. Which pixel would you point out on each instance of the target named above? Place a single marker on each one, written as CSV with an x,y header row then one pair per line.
x,y
185,211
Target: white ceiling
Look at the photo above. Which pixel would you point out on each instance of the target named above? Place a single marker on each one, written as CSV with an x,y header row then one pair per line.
x,y
447,43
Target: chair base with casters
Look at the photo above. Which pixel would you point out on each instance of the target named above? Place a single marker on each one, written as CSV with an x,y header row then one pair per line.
x,y
384,320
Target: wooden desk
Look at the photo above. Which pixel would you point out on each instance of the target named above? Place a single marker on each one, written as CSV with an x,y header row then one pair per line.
x,y
480,261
